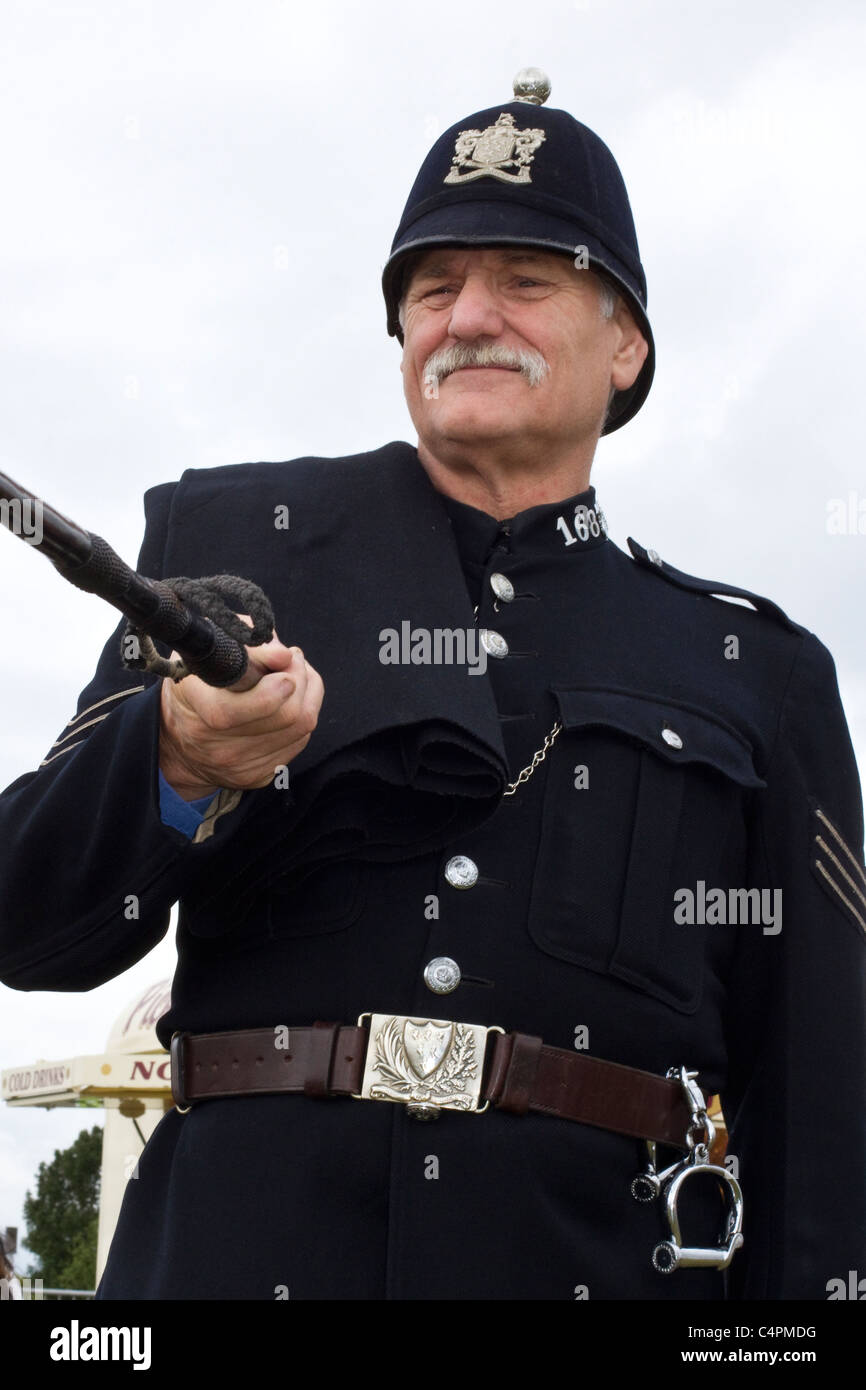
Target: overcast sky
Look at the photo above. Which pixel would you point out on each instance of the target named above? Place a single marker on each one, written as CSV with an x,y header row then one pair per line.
x,y
198,203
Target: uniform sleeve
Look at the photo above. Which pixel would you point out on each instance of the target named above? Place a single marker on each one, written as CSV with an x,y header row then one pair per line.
x,y
796,1098
88,869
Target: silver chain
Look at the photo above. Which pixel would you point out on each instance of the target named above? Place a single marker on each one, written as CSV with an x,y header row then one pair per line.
x,y
538,756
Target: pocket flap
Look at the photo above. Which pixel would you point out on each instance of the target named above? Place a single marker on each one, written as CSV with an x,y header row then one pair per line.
x,y
676,732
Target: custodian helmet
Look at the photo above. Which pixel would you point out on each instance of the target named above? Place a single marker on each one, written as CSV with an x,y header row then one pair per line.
x,y
520,174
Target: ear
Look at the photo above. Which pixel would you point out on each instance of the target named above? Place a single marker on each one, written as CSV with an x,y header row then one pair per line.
x,y
631,351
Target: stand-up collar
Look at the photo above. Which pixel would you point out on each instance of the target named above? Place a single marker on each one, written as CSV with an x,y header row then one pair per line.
x,y
572,526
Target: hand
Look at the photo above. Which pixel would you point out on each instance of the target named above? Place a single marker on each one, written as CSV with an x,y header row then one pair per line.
x,y
237,737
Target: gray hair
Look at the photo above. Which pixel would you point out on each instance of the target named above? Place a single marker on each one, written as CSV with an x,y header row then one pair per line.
x,y
442,363
608,298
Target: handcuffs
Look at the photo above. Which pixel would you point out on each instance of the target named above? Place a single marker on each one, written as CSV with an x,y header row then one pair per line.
x,y
672,1254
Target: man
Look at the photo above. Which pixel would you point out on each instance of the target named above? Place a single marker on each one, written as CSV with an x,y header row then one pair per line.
x,y
554,819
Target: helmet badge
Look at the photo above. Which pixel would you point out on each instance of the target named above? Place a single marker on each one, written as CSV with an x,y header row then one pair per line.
x,y
502,151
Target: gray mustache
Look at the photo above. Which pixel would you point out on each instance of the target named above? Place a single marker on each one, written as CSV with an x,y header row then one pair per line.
x,y
441,364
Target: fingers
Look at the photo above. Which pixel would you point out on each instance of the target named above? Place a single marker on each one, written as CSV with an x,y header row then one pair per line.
x,y
282,703
212,737
254,709
311,691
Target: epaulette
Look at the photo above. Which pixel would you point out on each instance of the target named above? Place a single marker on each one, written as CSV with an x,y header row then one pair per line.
x,y
651,560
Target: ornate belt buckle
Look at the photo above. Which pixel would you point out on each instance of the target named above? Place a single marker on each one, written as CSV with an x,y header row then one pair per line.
x,y
427,1064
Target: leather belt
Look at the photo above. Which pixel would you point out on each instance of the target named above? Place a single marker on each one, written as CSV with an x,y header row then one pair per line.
x,y
431,1065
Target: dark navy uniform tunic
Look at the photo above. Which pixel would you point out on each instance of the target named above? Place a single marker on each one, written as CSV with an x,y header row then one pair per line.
x,y
678,764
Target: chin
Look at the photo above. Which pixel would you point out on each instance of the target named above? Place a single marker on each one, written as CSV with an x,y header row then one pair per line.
x,y
484,418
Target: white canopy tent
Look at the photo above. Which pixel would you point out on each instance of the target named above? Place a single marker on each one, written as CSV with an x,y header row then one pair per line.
x,y
131,1080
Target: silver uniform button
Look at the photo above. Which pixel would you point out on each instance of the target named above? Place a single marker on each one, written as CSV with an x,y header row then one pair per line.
x,y
654,557
493,642
502,587
671,737
423,1112
461,872
442,975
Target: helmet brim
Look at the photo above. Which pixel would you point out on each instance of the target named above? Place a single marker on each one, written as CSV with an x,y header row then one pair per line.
x,y
475,224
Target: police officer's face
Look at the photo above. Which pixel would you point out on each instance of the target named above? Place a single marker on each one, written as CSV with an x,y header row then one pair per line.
x,y
522,299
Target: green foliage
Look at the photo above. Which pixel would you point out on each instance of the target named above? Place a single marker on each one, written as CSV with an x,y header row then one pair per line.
x,y
79,1272
62,1218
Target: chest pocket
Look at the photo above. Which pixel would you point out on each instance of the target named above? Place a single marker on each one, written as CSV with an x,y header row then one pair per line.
x,y
643,798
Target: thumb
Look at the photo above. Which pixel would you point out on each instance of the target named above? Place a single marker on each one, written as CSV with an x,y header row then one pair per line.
x,y
273,656
269,656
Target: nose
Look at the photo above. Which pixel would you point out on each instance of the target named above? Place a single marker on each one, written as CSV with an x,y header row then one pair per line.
x,y
476,312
